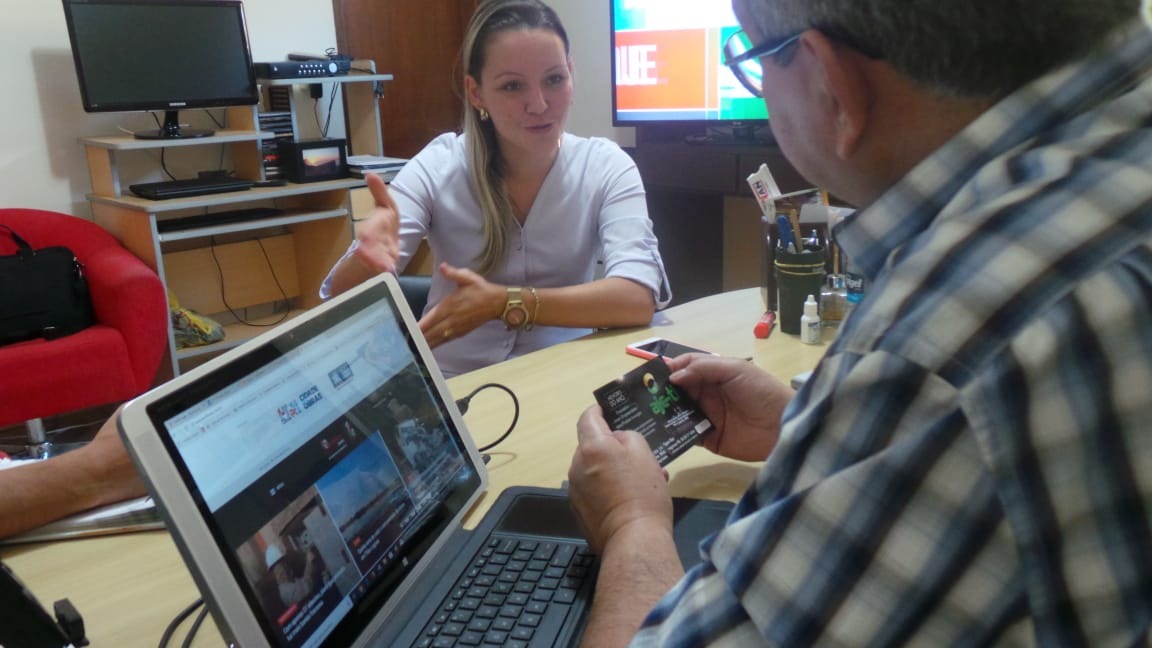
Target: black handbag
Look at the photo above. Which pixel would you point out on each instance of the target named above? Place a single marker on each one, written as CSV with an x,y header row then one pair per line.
x,y
43,293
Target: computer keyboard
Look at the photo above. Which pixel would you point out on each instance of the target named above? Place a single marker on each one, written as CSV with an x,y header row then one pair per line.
x,y
516,595
190,187
216,218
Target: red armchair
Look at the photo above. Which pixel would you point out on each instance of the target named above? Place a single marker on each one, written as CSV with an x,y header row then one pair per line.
x,y
111,361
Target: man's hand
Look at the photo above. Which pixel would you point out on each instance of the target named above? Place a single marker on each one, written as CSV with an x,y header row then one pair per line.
x,y
378,237
474,301
615,483
744,403
621,496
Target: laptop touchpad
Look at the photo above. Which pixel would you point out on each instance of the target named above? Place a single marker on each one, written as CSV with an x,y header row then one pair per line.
x,y
541,515
551,515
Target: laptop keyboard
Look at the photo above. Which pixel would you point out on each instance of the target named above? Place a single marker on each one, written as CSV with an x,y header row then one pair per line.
x,y
514,592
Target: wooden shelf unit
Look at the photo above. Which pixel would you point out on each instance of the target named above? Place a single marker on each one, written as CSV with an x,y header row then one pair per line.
x,y
249,274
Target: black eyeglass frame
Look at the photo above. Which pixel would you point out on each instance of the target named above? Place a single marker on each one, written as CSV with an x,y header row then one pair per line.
x,y
770,48
776,46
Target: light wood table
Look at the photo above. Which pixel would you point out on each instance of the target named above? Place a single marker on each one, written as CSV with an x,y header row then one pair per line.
x,y
129,587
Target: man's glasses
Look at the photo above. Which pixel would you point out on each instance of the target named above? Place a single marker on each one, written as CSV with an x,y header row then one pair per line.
x,y
743,58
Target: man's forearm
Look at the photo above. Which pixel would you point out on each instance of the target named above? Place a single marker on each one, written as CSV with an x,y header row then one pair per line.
x,y
45,491
39,493
637,568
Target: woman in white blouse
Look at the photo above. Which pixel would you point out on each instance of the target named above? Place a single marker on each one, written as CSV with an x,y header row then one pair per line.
x,y
518,214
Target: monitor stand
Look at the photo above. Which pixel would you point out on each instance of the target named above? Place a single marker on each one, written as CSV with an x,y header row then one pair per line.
x,y
171,129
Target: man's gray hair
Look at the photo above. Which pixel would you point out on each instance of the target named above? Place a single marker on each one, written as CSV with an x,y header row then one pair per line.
x,y
966,48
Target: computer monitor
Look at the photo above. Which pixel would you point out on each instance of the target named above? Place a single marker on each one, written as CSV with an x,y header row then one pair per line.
x,y
667,65
161,55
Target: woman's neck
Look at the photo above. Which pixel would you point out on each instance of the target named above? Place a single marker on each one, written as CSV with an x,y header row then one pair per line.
x,y
526,166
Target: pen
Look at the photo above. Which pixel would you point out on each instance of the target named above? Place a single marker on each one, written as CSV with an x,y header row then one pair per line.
x,y
787,237
794,220
813,242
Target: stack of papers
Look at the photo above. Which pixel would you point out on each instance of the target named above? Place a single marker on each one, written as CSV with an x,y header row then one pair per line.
x,y
132,515
385,167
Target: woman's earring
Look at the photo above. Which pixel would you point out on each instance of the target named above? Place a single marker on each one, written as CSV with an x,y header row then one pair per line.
x,y
483,115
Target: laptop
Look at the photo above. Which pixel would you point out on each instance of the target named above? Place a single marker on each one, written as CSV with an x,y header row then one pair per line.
x,y
315,479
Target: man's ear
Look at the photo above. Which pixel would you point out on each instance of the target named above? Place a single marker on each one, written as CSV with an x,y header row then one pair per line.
x,y
846,87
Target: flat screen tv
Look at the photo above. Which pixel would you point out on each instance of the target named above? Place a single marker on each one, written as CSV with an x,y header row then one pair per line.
x,y
667,65
164,55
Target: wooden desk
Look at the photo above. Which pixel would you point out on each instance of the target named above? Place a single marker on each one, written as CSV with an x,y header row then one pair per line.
x,y
129,587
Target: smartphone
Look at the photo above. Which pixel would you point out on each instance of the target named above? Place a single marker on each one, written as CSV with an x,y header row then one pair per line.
x,y
658,346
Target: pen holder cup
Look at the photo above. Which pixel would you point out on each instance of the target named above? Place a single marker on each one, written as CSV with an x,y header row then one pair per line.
x,y
797,276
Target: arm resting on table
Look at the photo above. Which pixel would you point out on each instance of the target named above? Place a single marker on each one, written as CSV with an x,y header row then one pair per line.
x,y
41,492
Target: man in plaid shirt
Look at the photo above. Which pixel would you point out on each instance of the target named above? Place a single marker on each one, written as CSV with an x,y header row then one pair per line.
x,y
971,462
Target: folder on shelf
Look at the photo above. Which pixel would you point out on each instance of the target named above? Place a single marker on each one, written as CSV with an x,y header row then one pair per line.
x,y
385,167
375,162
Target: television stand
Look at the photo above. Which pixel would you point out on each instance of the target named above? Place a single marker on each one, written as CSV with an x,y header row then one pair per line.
x,y
744,132
735,133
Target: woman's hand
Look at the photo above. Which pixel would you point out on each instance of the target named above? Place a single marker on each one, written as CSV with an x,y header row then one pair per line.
x,y
377,242
378,237
474,301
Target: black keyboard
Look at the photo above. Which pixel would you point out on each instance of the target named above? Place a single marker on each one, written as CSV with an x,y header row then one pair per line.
x,y
190,187
217,218
515,594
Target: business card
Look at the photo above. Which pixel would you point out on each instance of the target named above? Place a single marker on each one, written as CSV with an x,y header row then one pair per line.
x,y
645,400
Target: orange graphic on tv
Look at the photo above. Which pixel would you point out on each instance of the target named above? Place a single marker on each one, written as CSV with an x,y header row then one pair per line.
x,y
647,61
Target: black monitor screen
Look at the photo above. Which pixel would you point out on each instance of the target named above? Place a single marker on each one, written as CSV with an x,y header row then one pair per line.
x,y
160,54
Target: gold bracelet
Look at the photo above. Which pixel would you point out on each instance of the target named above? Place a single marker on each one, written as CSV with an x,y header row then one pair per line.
x,y
535,309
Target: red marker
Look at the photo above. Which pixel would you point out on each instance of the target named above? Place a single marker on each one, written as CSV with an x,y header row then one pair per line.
x,y
764,325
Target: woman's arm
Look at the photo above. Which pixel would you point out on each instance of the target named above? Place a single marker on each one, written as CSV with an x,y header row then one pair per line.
x,y
611,302
604,303
377,243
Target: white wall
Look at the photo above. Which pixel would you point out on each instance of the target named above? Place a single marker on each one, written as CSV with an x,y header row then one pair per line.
x,y
42,164
587,24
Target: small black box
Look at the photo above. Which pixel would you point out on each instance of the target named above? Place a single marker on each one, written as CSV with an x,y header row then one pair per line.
x,y
313,160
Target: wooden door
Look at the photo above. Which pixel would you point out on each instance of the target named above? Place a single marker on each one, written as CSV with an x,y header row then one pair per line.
x,y
417,41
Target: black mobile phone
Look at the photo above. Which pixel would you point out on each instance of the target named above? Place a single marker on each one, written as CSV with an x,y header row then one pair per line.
x,y
658,346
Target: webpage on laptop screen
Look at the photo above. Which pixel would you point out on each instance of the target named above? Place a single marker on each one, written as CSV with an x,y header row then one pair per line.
x,y
340,464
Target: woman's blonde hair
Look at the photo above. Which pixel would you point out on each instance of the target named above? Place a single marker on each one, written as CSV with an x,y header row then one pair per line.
x,y
487,165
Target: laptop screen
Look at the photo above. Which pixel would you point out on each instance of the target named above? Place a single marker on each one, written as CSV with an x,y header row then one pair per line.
x,y
324,465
